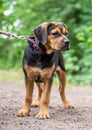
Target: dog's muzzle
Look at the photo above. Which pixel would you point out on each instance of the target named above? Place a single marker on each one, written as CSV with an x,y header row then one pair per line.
x,y
67,45
66,41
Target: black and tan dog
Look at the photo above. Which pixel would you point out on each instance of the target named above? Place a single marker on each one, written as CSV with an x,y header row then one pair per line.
x,y
41,59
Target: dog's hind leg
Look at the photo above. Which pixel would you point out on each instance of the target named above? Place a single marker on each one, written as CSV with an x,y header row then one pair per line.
x,y
62,82
36,101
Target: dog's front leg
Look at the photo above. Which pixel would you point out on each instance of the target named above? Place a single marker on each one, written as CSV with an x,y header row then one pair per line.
x,y
44,106
28,98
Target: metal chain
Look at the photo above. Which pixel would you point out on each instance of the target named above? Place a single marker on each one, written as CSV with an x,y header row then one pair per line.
x,y
13,35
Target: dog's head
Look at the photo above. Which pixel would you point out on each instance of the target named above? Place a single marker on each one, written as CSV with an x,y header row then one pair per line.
x,y
53,35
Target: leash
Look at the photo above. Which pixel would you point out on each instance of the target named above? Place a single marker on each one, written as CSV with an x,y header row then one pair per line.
x,y
31,40
13,35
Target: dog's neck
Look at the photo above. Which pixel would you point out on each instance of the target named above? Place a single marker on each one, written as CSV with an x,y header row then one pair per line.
x,y
48,49
45,47
34,42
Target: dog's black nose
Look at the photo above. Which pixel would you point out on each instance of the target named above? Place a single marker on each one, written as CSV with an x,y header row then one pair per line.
x,y
66,41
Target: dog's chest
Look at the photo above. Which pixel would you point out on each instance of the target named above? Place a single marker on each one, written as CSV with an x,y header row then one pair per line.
x,y
38,74
36,59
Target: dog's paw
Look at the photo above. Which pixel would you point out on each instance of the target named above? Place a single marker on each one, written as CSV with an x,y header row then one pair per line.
x,y
69,106
23,112
35,103
43,115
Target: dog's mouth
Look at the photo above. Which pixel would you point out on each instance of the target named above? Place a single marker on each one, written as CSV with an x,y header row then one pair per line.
x,y
66,47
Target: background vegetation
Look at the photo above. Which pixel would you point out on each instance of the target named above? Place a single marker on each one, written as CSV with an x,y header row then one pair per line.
x,y
21,16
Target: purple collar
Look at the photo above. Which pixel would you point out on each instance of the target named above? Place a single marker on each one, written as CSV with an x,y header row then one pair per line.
x,y
32,40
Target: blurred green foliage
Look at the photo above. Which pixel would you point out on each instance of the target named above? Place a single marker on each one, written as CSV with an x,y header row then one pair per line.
x,y
21,17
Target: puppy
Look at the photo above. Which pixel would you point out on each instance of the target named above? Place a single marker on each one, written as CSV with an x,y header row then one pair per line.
x,y
42,58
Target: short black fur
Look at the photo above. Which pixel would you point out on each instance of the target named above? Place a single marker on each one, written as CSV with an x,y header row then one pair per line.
x,y
33,58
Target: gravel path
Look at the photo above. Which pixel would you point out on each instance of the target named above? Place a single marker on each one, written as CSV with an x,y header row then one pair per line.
x,y
12,99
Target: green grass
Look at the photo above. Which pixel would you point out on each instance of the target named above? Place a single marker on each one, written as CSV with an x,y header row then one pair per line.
x,y
11,75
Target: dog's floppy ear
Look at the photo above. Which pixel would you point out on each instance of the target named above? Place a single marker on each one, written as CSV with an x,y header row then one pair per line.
x,y
41,33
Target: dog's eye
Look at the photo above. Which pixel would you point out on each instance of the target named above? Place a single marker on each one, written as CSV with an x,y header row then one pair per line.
x,y
55,34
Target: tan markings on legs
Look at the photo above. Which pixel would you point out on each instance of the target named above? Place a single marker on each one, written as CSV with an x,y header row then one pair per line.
x,y
62,82
28,99
36,101
44,106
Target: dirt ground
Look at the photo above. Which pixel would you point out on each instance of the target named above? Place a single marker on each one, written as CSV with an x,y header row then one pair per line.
x,y
12,99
